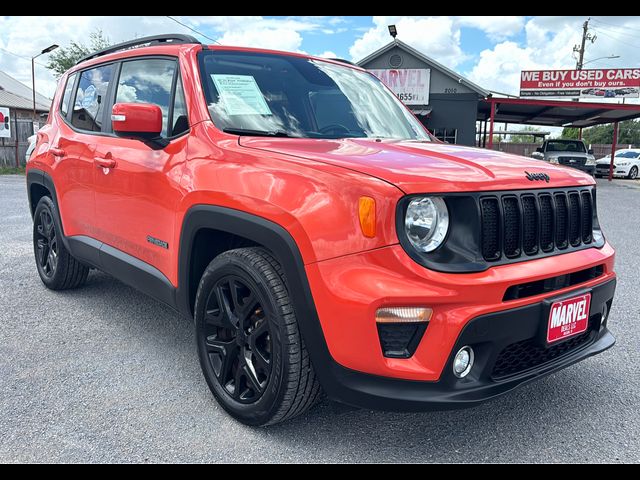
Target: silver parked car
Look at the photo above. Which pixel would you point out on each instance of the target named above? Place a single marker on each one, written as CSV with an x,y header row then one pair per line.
x,y
572,153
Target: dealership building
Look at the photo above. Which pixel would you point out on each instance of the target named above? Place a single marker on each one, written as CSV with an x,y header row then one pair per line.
x,y
444,101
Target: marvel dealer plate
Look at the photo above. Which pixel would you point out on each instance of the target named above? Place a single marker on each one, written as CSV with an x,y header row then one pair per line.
x,y
568,318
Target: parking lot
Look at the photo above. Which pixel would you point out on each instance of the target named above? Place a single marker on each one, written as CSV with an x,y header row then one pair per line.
x,y
106,374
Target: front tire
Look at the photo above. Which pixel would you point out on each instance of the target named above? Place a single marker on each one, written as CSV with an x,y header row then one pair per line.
x,y
58,270
633,173
250,348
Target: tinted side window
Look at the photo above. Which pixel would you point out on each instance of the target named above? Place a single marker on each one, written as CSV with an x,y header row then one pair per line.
x,y
148,81
91,97
180,119
66,97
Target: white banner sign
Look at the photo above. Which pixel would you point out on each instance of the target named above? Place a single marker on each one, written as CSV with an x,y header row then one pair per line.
x,y
411,85
5,123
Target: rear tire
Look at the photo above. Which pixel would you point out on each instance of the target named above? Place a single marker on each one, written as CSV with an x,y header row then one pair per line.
x,y
58,270
250,348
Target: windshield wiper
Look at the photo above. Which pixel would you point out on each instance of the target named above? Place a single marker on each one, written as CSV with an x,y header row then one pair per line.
x,y
256,133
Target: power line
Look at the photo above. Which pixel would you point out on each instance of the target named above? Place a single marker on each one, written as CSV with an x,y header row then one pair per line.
x,y
21,57
618,40
193,30
615,32
610,24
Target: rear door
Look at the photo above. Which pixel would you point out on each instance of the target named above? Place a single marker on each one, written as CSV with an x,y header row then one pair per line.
x,y
137,198
82,112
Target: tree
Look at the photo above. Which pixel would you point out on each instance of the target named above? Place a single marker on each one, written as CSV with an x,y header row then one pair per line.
x,y
570,133
63,58
524,138
629,132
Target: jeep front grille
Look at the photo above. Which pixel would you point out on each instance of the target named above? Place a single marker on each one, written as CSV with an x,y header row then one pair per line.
x,y
522,224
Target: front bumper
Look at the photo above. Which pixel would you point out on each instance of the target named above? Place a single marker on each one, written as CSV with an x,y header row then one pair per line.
x,y
347,291
488,335
618,171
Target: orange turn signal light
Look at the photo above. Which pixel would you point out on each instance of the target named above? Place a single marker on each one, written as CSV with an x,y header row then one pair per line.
x,y
367,213
403,315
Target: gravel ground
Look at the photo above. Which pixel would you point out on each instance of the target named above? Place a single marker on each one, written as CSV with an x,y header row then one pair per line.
x,y
105,374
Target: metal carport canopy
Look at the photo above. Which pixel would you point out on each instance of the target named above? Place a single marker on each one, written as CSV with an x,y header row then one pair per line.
x,y
555,113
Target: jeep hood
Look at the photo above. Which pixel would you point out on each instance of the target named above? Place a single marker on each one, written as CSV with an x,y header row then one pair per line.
x,y
420,167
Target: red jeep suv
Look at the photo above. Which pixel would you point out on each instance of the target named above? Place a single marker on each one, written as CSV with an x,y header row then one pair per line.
x,y
319,236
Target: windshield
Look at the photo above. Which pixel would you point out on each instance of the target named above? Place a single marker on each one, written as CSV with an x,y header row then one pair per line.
x,y
627,154
565,146
281,95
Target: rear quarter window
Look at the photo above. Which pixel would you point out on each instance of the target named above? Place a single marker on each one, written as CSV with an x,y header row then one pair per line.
x,y
66,97
91,98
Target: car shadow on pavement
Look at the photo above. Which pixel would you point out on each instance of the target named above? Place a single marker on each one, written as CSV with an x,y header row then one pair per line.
x,y
518,424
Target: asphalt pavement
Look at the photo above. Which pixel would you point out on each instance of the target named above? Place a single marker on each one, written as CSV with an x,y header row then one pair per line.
x,y
106,374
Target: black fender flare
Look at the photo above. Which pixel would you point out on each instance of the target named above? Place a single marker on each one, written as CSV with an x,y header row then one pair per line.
x,y
40,177
282,245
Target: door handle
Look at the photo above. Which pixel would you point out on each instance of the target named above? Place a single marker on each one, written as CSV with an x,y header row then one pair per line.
x,y
56,152
101,162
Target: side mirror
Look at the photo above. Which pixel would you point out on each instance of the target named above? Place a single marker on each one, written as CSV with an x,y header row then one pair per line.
x,y
141,121
539,150
590,151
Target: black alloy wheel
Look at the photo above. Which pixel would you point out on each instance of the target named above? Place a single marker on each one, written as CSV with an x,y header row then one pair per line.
x,y
251,351
238,339
57,268
46,243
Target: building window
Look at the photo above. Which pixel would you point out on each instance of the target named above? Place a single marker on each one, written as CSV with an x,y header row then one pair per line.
x,y
449,135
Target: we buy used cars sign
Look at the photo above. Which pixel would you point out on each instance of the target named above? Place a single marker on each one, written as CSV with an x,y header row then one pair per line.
x,y
590,83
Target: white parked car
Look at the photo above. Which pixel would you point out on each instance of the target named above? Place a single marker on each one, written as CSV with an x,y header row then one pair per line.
x,y
626,163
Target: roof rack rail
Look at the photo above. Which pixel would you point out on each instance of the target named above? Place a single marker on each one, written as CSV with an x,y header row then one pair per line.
x,y
167,38
342,60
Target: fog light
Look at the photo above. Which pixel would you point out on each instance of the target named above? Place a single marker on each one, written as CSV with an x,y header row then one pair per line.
x,y
462,362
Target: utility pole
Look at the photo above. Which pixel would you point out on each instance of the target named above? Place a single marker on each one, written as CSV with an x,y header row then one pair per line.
x,y
579,49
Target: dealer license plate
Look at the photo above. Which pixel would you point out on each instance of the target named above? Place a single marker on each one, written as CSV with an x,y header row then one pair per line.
x,y
568,318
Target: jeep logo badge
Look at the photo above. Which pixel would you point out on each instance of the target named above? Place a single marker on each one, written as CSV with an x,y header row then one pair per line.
x,y
533,177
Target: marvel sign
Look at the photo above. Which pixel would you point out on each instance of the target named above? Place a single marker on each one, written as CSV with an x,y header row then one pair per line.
x,y
411,85
590,83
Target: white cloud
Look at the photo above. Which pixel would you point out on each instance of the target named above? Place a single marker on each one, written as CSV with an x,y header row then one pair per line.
x,y
438,37
327,54
26,36
273,38
549,44
496,27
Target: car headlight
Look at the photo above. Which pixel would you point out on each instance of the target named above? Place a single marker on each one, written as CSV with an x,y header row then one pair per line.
x,y
553,160
426,223
590,161
622,164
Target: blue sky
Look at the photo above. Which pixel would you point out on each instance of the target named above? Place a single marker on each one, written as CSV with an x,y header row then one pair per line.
x,y
473,40
489,50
